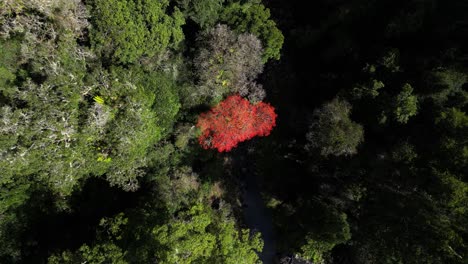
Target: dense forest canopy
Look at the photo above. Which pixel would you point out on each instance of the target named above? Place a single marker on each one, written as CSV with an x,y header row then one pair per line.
x,y
138,131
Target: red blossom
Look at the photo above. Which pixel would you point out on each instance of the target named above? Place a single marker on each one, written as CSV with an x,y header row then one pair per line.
x,y
234,120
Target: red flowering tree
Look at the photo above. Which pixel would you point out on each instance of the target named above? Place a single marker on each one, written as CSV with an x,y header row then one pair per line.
x,y
234,120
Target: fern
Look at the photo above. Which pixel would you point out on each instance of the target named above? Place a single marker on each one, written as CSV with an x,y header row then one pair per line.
x,y
98,99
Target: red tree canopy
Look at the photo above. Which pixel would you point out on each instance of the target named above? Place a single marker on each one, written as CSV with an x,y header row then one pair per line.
x,y
234,120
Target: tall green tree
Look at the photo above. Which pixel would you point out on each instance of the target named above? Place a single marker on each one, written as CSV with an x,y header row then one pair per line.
x,y
406,104
203,12
333,132
254,18
124,31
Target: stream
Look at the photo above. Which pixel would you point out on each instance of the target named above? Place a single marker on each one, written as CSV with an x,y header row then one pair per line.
x,y
258,217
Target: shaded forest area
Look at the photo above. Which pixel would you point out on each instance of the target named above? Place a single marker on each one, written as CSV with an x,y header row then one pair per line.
x,y
130,130
368,161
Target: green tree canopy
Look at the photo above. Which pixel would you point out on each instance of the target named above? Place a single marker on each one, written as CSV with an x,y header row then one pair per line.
x,y
254,18
406,104
333,132
124,31
203,12
334,231
196,236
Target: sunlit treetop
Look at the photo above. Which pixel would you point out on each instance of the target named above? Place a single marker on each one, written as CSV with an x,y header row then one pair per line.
x,y
234,120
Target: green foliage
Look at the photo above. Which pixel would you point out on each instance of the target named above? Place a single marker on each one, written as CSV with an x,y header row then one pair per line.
x,y
455,118
315,250
83,99
124,31
204,12
96,91
139,111
13,194
454,122
54,133
333,132
406,104
184,133
456,194
254,18
331,229
186,240
9,7
135,128
113,226
370,89
404,152
195,234
97,254
8,61
235,247
12,220
390,60
196,237
445,83
178,188
43,139
104,251
40,113
434,235
98,99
